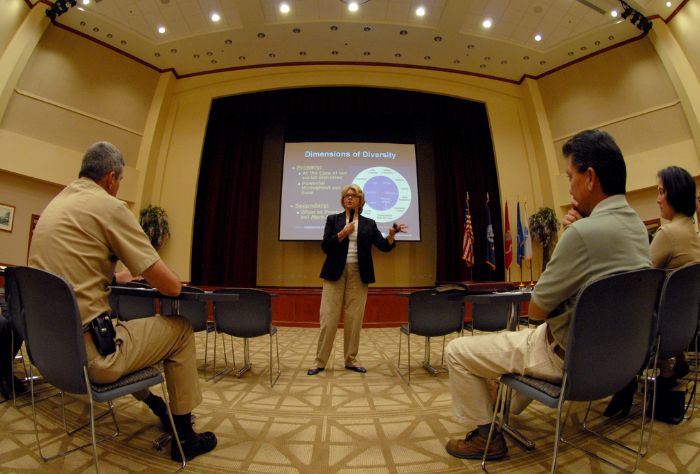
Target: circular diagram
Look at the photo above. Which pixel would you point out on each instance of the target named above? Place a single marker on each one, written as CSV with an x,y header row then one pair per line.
x,y
387,193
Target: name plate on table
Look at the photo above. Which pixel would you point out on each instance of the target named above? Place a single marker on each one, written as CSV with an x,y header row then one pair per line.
x,y
474,287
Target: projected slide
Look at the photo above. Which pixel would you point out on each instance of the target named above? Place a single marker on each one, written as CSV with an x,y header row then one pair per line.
x,y
315,173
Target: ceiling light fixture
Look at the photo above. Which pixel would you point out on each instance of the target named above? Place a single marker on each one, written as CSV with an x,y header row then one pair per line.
x,y
538,37
669,4
637,19
284,8
86,2
59,7
614,13
420,11
354,5
487,23
161,30
215,17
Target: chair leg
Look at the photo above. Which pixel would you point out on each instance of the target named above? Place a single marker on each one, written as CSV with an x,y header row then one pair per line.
x,y
279,370
176,438
398,364
216,376
499,408
442,357
559,428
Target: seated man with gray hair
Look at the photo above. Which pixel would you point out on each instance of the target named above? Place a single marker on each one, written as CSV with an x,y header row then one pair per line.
x,y
80,236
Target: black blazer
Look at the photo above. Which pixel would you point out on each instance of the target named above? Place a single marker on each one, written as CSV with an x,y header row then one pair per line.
x,y
337,252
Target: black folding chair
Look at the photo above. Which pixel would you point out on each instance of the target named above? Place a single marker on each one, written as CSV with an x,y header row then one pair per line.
x,y
611,335
55,340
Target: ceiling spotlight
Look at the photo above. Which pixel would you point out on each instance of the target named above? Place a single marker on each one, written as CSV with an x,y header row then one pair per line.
x,y
626,10
215,17
669,4
353,6
86,2
284,7
538,37
420,11
487,23
614,13
161,30
638,19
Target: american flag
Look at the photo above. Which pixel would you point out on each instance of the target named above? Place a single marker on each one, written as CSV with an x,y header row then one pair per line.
x,y
468,240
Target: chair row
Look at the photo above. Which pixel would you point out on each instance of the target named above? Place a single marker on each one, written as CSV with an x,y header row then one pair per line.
x,y
620,327
249,317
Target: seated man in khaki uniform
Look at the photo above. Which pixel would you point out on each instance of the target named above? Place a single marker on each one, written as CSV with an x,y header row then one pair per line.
x,y
81,234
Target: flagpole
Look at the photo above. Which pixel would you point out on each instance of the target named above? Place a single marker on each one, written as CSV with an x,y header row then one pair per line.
x,y
471,275
532,283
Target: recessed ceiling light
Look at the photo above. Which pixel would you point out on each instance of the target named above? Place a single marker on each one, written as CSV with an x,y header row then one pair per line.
x,y
161,30
669,4
614,13
538,37
487,23
353,6
420,11
284,7
86,2
215,17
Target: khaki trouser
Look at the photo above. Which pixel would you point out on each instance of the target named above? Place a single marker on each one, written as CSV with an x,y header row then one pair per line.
x,y
474,359
348,294
148,341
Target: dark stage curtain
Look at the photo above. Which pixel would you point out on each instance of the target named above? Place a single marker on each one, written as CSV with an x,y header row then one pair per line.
x,y
225,232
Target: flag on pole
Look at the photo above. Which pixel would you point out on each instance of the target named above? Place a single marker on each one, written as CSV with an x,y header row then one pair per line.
x,y
490,244
508,241
524,240
468,239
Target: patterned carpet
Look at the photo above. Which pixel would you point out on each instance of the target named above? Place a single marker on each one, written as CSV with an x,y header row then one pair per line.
x,y
336,422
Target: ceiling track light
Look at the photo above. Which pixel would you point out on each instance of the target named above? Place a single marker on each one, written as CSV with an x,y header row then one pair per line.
x,y
59,7
636,18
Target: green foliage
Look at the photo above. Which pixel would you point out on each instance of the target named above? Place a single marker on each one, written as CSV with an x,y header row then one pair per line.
x,y
544,226
154,221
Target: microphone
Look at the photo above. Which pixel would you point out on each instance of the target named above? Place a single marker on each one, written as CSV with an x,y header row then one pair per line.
x,y
352,215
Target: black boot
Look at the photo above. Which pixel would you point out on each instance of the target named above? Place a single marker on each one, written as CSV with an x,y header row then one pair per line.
x,y
621,402
158,407
193,444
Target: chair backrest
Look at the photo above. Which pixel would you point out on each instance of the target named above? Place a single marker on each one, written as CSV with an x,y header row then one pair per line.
x,y
54,333
678,310
491,317
197,312
432,314
250,316
14,307
611,333
135,307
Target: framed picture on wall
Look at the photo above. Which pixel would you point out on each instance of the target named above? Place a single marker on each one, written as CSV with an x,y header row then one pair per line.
x,y
7,217
651,226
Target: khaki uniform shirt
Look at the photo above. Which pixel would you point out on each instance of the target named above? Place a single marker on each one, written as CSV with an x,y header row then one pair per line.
x,y
80,236
612,239
675,244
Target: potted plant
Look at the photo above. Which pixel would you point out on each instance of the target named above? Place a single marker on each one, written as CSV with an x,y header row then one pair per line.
x,y
544,227
154,221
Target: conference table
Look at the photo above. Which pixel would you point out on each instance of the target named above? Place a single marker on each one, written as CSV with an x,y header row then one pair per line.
x,y
513,297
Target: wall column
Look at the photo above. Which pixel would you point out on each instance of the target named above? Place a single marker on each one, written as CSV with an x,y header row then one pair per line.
x,y
20,48
682,76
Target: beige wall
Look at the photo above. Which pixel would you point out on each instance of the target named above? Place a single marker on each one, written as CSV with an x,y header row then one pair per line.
x,y
628,93
13,12
684,27
29,197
